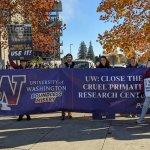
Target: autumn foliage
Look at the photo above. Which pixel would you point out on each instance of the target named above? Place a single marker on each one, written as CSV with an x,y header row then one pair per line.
x,y
131,30
35,12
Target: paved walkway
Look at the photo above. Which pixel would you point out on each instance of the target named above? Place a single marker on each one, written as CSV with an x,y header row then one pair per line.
x,y
48,132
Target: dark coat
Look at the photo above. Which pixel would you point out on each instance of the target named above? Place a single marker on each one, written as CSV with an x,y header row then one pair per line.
x,y
147,75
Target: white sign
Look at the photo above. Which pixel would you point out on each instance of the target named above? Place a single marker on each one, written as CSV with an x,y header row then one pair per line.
x,y
147,87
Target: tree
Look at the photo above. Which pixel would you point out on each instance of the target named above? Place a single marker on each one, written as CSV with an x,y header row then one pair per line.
x,y
35,12
90,53
132,26
82,51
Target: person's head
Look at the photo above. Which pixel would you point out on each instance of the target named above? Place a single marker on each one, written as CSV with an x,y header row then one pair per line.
x,y
23,63
69,58
104,61
133,62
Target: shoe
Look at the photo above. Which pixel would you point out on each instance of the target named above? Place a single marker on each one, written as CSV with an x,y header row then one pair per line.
x,y
140,121
28,118
19,119
70,117
63,118
133,116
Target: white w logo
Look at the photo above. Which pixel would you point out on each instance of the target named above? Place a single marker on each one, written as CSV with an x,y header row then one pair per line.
x,y
10,89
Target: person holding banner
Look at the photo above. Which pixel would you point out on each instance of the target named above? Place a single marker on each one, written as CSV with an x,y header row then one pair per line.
x,y
133,63
67,64
103,63
23,65
145,91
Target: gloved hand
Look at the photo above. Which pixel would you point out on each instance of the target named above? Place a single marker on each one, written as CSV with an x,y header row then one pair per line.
x,y
141,94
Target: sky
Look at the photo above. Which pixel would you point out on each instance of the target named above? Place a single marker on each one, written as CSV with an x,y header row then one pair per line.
x,y
83,24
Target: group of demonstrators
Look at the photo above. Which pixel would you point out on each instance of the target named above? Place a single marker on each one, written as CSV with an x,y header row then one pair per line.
x,y
103,63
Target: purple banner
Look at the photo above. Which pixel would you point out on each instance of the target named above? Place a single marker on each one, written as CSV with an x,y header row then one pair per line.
x,y
78,90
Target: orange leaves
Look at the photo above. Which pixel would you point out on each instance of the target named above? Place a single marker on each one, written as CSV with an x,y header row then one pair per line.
x,y
131,34
35,12
41,4
145,57
40,41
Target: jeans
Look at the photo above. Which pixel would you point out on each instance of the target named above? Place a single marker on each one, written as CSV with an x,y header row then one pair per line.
x,y
145,108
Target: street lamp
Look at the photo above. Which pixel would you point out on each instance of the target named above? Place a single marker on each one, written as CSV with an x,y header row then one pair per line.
x,y
70,48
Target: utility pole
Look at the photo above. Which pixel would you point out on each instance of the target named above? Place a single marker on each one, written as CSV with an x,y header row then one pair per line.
x,y
70,48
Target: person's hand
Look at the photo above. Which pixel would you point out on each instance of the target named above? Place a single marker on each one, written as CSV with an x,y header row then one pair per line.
x,y
33,65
